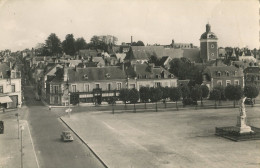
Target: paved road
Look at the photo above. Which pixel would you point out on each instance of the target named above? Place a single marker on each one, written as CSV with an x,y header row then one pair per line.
x,y
46,129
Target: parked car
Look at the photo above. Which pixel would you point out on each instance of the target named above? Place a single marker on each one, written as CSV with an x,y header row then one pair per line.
x,y
66,136
249,101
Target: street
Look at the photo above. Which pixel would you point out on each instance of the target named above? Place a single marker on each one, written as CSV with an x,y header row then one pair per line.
x,y
46,128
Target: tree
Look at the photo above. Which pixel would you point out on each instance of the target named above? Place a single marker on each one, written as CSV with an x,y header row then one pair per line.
x,y
222,92
80,44
133,97
251,91
53,44
144,95
185,91
215,94
124,95
196,93
233,93
154,60
156,95
204,92
68,45
175,95
165,94
138,43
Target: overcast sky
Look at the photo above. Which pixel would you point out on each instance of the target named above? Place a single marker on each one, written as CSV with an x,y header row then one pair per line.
x,y
24,23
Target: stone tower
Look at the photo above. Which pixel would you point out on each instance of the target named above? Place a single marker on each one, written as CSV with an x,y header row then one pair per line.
x,y
208,45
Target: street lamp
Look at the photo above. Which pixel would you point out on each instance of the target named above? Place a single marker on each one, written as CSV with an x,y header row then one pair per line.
x,y
22,128
18,122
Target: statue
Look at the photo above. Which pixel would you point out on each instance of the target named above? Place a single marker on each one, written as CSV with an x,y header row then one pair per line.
x,y
241,126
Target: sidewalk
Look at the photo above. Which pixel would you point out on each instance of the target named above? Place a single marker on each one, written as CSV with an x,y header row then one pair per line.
x,y
10,146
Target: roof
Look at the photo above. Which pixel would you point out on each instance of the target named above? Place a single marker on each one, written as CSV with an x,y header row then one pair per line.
x,y
252,70
213,69
208,34
88,53
148,70
91,74
144,52
193,54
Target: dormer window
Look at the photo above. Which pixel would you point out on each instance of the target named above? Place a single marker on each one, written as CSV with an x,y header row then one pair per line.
x,y
227,73
172,76
158,76
145,76
218,73
85,76
107,75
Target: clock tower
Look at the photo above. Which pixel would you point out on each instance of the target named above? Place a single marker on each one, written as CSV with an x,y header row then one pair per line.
x,y
208,45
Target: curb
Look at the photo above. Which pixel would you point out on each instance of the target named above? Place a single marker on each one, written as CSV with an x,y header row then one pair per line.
x,y
84,143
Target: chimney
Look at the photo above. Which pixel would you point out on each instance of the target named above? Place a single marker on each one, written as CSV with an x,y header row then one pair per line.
x,y
123,66
134,67
131,40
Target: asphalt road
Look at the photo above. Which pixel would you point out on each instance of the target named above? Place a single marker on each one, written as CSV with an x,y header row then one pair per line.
x,y
50,150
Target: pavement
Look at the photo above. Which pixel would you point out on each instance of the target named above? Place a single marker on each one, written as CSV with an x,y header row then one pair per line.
x,y
46,129
10,145
166,139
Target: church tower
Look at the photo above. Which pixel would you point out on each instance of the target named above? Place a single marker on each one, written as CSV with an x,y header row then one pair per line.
x,y
208,45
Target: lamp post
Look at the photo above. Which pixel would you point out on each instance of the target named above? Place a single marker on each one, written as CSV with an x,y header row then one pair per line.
x,y
18,122
22,128
68,110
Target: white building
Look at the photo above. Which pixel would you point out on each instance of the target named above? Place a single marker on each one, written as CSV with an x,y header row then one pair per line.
x,y
10,87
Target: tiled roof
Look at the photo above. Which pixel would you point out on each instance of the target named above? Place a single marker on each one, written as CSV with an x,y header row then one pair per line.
x,y
252,70
142,70
91,74
192,54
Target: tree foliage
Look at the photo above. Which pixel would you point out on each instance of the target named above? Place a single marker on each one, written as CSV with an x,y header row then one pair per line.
x,y
204,92
80,44
155,95
251,91
138,43
133,96
196,93
68,45
185,91
124,95
215,94
175,95
53,44
233,92
144,94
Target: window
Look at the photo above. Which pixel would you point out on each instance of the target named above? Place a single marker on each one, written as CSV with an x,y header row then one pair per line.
x,y
212,46
86,87
227,73
212,54
97,85
218,73
219,82
157,84
55,89
118,86
236,82
13,75
235,73
228,82
1,89
158,76
74,88
109,86
13,87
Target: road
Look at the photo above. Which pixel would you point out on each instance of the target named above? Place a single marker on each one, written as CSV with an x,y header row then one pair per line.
x,y
50,150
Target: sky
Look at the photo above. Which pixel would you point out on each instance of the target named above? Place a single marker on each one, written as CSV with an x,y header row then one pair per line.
x,y
25,23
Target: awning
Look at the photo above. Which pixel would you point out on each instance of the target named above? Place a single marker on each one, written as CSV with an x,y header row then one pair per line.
x,y
5,99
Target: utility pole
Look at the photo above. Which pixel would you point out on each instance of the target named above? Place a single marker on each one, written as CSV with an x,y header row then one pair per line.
x,y
18,122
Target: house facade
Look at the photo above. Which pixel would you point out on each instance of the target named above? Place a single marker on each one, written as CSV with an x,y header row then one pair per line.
x,y
252,76
10,87
223,76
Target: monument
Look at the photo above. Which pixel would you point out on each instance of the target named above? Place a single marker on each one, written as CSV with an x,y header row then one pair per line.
x,y
242,127
242,131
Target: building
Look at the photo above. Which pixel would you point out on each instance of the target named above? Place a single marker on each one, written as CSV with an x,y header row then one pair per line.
x,y
89,85
148,75
208,45
252,76
222,75
10,87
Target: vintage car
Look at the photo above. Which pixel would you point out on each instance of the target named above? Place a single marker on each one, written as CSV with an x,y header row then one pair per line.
x,y
66,136
249,101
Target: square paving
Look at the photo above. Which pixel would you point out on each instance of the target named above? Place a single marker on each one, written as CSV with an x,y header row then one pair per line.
x,y
167,139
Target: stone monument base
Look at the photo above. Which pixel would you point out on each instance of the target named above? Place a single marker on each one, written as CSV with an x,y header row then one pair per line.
x,y
239,133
